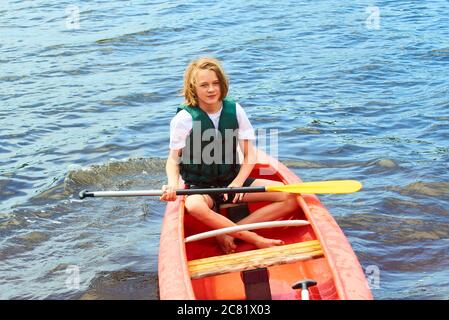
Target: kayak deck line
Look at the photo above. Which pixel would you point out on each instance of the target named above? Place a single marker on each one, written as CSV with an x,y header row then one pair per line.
x,y
254,259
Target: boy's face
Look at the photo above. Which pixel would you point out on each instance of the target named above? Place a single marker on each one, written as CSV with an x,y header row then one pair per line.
x,y
207,88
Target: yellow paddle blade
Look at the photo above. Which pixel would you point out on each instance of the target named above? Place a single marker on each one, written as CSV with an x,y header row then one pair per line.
x,y
337,186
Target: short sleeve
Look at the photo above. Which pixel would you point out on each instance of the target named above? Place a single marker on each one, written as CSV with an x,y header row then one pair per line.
x,y
246,131
180,127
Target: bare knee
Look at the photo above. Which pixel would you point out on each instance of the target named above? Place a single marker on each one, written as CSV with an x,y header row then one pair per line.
x,y
289,199
196,205
282,197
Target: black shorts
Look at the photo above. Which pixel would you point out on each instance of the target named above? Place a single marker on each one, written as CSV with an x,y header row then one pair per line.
x,y
218,198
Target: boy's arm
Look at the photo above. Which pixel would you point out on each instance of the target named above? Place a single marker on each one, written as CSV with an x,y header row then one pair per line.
x,y
172,170
249,157
249,160
172,167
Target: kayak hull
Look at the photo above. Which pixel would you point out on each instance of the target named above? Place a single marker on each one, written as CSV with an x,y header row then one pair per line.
x,y
337,271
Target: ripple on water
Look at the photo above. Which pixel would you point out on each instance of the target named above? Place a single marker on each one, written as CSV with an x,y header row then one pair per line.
x,y
386,163
422,188
122,284
400,223
33,238
22,244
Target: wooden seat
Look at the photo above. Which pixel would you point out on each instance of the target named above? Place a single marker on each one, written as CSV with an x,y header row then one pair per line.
x,y
260,258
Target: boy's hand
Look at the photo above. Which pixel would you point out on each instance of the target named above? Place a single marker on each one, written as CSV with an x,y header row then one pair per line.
x,y
238,196
169,193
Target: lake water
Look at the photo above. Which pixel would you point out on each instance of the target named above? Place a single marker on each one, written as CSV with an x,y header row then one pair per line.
x,y
87,90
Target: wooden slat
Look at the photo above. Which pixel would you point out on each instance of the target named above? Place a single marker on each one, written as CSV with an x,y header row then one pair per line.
x,y
259,258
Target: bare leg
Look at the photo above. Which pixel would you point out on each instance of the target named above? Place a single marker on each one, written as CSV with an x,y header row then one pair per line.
x,y
199,206
282,204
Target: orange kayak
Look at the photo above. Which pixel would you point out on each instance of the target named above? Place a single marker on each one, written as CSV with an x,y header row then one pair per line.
x,y
316,260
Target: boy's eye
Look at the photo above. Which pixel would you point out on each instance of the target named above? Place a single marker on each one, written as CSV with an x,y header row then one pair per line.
x,y
205,85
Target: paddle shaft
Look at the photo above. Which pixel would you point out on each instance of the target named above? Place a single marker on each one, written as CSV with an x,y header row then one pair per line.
x,y
136,193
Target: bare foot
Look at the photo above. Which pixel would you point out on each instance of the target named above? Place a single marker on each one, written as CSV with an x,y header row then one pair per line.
x,y
267,243
226,243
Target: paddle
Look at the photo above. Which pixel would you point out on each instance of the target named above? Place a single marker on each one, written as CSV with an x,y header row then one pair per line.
x,y
335,187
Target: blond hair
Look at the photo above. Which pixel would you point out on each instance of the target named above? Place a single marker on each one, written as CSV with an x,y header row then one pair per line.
x,y
205,63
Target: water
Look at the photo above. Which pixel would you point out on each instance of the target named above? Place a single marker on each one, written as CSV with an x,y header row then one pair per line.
x,y
353,95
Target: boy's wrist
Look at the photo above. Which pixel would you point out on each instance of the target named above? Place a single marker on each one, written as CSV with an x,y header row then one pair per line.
x,y
171,183
238,181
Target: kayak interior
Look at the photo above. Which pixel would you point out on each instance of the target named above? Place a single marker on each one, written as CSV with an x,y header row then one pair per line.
x,y
278,277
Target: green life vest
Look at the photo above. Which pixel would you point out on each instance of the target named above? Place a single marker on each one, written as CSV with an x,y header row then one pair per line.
x,y
211,159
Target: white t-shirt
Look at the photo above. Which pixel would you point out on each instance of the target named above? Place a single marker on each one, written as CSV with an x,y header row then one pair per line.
x,y
181,126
